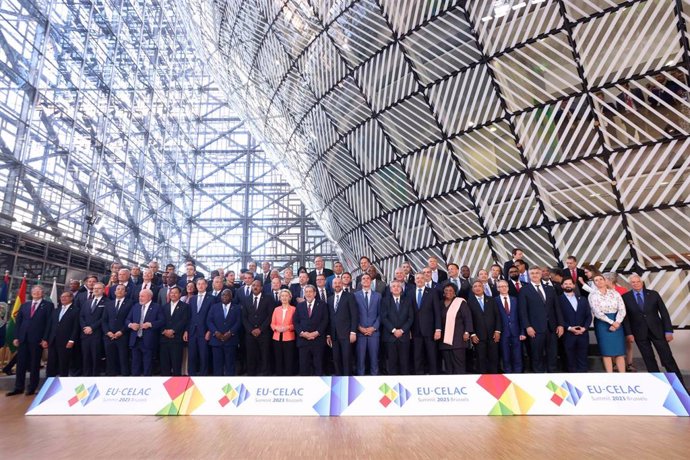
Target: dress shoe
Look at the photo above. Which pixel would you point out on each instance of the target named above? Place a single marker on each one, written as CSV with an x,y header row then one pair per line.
x,y
7,371
14,392
30,392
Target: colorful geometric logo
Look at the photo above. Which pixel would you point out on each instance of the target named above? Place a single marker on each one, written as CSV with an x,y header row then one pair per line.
x,y
236,395
397,394
84,395
677,400
564,392
343,392
186,397
512,400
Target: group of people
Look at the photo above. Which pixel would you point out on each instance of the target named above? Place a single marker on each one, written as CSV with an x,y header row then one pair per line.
x,y
510,318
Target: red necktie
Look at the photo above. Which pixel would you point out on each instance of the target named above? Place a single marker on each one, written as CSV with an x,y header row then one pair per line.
x,y
33,309
517,286
506,306
309,309
573,273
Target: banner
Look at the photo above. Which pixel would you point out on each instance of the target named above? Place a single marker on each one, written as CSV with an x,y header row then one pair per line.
x,y
490,394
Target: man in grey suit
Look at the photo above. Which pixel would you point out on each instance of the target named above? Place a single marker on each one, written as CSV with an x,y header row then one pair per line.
x,y
368,303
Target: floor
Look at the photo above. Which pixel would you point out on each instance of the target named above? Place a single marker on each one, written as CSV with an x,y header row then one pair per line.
x,y
131,437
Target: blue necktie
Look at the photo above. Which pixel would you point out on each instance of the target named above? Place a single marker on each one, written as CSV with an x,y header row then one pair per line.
x,y
481,302
366,299
225,311
640,301
397,304
419,299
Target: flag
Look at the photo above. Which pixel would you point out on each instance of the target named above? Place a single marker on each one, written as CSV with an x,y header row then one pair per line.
x,y
54,294
18,301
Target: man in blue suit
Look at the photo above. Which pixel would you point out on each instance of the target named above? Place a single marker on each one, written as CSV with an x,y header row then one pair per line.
x,y
32,322
90,321
511,349
577,316
542,320
311,322
145,320
368,306
224,323
198,334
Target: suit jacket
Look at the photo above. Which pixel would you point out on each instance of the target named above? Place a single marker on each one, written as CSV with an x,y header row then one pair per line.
x,y
61,331
510,263
33,329
199,315
511,322
329,281
92,319
379,287
393,318
512,288
162,296
296,290
114,321
177,320
485,322
155,288
427,315
317,322
463,291
463,323
182,281
218,322
442,276
534,312
369,315
566,274
653,321
154,315
312,275
239,297
258,318
277,321
329,292
581,317
346,319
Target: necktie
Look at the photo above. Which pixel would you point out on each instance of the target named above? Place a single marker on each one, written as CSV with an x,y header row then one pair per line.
x,y
337,301
487,290
246,291
93,305
397,304
90,296
118,304
199,302
573,274
225,311
540,291
481,302
256,303
506,306
167,294
62,312
456,283
640,300
275,294
366,299
140,332
518,286
419,298
302,293
309,309
323,295
33,308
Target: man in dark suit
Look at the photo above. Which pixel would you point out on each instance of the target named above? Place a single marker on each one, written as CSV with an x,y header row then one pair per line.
x,y
517,254
514,283
114,269
364,264
170,281
495,275
90,320
274,290
176,315
116,338
347,282
437,274
147,282
311,323
343,317
244,292
145,320
489,290
648,323
30,327
224,323
338,271
542,320
405,287
256,318
511,334
190,275
216,288
397,316
319,270
198,334
322,290
157,275
577,316
576,274
377,284
131,291
426,328
487,323
135,275
63,332
368,306
462,286
297,289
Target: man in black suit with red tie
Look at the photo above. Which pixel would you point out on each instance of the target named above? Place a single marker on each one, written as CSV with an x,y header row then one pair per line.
x,y
397,316
311,323
574,273
256,319
176,316
62,334
342,332
30,329
90,320
541,318
488,324
116,333
426,328
648,323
